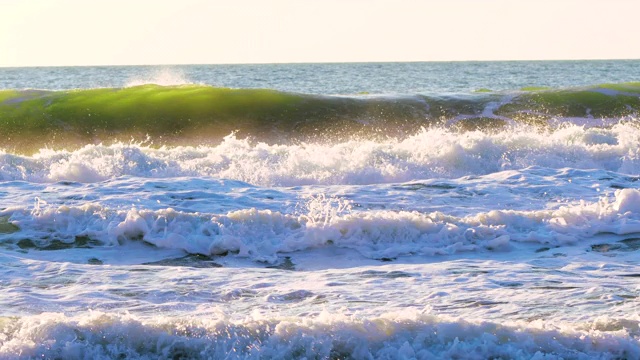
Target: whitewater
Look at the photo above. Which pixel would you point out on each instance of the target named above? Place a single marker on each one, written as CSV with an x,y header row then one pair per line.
x,y
321,211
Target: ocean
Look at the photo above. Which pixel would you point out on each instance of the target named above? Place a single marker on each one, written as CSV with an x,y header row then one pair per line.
x,y
445,210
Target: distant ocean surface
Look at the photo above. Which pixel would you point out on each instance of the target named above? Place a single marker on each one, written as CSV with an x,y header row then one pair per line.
x,y
453,210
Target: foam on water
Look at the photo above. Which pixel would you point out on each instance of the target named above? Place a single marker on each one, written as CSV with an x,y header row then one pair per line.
x,y
422,221
406,335
434,152
440,310
262,235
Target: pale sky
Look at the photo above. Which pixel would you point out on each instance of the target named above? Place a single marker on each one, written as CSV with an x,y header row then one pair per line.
x,y
134,32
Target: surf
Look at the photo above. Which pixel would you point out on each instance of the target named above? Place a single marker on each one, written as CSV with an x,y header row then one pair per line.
x,y
430,153
202,114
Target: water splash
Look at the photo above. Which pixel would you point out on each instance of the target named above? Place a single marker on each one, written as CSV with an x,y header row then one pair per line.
x,y
163,77
322,210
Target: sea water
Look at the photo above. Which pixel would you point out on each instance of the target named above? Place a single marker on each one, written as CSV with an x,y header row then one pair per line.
x,y
323,211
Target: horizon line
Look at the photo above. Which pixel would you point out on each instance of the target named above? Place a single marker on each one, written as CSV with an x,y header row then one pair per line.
x,y
319,62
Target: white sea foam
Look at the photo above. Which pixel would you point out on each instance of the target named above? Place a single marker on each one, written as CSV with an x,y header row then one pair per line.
x,y
263,234
431,153
392,336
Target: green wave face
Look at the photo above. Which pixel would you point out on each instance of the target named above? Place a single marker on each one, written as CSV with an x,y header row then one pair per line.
x,y
631,87
181,115
149,109
175,113
603,101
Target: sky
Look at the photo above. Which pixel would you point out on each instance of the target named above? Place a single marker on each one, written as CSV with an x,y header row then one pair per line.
x,y
137,32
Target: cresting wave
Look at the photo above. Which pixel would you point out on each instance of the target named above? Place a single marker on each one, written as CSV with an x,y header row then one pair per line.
x,y
99,335
262,235
199,114
431,153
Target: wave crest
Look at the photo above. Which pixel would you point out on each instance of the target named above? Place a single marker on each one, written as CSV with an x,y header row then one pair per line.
x,y
430,153
197,114
101,335
263,235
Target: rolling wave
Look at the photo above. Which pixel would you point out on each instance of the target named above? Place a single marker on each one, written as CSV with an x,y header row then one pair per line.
x,y
262,235
105,335
200,114
430,153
